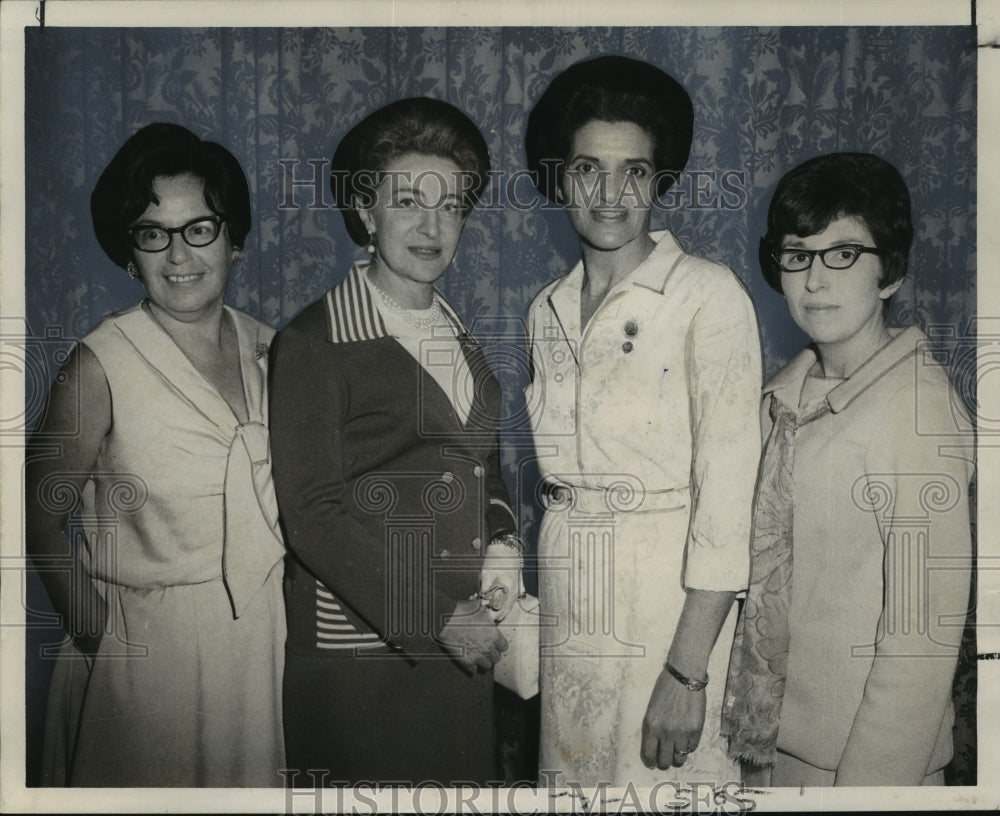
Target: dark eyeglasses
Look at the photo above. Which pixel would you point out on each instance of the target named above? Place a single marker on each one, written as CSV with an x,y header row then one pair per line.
x,y
841,256
198,233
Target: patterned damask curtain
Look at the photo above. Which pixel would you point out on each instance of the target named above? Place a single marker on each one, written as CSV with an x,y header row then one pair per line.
x,y
765,100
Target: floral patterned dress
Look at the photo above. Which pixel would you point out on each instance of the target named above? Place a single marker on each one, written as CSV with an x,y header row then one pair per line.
x,y
648,438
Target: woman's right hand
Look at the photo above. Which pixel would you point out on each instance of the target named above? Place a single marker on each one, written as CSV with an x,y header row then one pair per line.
x,y
471,638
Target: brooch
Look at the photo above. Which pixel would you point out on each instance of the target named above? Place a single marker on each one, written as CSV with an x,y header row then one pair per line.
x,y
260,350
631,329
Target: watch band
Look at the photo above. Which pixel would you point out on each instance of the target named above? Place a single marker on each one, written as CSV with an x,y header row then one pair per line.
x,y
687,682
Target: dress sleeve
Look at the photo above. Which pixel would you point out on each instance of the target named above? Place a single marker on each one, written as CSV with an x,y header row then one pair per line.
x,y
724,383
918,484
308,409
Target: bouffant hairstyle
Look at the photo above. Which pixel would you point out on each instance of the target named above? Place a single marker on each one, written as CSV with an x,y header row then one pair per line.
x,y
835,185
162,149
415,125
609,89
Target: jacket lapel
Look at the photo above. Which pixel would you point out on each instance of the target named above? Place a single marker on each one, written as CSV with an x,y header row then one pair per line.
x,y
353,316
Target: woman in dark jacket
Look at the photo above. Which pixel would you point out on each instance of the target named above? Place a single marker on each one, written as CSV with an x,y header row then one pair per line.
x,y
384,416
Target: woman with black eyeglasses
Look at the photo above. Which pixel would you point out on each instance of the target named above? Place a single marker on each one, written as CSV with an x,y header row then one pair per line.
x,y
842,666
169,583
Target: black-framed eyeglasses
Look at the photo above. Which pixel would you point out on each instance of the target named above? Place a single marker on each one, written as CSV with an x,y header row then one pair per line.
x,y
198,233
841,256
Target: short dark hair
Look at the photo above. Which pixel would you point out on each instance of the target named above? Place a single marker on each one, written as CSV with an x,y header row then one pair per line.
x,y
415,125
609,89
162,149
815,193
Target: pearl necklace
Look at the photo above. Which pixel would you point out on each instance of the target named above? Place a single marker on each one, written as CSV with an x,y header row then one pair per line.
x,y
425,320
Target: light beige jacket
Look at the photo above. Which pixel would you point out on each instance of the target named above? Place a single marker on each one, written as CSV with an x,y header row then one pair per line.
x,y
882,548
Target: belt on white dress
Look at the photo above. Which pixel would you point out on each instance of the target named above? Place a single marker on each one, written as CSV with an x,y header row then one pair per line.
x,y
626,495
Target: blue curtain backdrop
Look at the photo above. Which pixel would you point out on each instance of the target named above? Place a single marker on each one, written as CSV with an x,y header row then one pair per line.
x,y
765,100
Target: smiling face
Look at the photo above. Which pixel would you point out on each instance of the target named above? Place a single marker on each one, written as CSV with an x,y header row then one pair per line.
x,y
416,222
606,185
840,309
186,282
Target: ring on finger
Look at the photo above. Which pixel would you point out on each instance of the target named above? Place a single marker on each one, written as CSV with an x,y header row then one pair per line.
x,y
494,596
680,752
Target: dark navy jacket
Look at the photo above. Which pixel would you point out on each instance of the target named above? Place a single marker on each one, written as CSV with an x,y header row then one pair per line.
x,y
388,500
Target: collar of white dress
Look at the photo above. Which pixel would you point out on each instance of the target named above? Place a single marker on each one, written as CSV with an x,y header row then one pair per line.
x,y
653,273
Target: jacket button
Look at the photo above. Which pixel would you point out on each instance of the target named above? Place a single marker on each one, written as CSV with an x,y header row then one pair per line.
x,y
447,477
445,553
477,543
477,471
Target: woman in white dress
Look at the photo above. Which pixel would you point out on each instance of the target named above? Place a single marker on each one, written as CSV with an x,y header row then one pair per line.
x,y
156,429
647,375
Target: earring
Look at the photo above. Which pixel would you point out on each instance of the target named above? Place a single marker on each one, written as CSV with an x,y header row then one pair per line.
x,y
133,271
371,243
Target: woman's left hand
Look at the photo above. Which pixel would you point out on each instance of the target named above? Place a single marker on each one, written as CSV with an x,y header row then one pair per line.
x,y
672,726
500,583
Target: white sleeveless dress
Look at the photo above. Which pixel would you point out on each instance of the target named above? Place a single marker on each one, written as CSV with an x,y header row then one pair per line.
x,y
179,529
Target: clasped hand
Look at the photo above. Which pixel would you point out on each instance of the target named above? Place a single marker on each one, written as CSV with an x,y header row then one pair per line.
x,y
471,637
500,581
